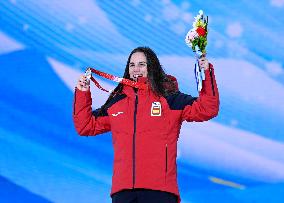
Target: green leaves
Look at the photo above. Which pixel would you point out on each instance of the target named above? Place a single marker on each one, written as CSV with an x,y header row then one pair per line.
x,y
201,42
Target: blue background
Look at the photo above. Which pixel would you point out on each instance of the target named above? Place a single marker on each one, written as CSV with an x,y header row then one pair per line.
x,y
44,47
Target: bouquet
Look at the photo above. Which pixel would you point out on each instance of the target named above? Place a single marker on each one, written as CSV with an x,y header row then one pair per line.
x,y
196,38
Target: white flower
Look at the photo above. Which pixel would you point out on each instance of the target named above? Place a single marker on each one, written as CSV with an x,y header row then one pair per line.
x,y
197,17
201,13
191,35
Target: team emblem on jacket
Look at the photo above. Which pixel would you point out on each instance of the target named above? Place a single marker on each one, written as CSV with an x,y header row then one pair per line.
x,y
156,109
116,114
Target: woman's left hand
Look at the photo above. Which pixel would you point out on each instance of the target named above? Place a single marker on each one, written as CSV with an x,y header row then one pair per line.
x,y
203,63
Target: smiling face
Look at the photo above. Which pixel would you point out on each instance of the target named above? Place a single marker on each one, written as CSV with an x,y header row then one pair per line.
x,y
138,65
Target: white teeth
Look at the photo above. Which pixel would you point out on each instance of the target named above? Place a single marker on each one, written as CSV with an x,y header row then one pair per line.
x,y
137,75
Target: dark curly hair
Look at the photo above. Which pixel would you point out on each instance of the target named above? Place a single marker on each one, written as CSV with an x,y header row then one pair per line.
x,y
160,83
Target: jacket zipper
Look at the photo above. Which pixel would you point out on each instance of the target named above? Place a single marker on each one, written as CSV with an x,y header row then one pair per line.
x,y
134,136
166,158
212,84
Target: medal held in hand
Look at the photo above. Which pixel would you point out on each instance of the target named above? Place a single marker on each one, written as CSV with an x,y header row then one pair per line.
x,y
196,38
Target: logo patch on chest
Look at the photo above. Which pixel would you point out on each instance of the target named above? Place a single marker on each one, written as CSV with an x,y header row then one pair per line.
x,y
116,114
156,109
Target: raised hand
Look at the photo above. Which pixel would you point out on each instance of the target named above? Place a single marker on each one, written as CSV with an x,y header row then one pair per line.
x,y
83,83
203,63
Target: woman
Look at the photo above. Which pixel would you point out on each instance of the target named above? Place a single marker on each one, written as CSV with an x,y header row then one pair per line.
x,y
145,126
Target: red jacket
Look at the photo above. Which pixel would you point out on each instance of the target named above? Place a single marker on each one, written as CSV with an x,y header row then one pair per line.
x,y
145,129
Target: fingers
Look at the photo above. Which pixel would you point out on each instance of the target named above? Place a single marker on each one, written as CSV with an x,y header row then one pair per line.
x,y
83,83
203,63
83,79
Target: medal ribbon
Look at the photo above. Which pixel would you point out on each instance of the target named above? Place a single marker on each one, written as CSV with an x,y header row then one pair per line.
x,y
124,81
